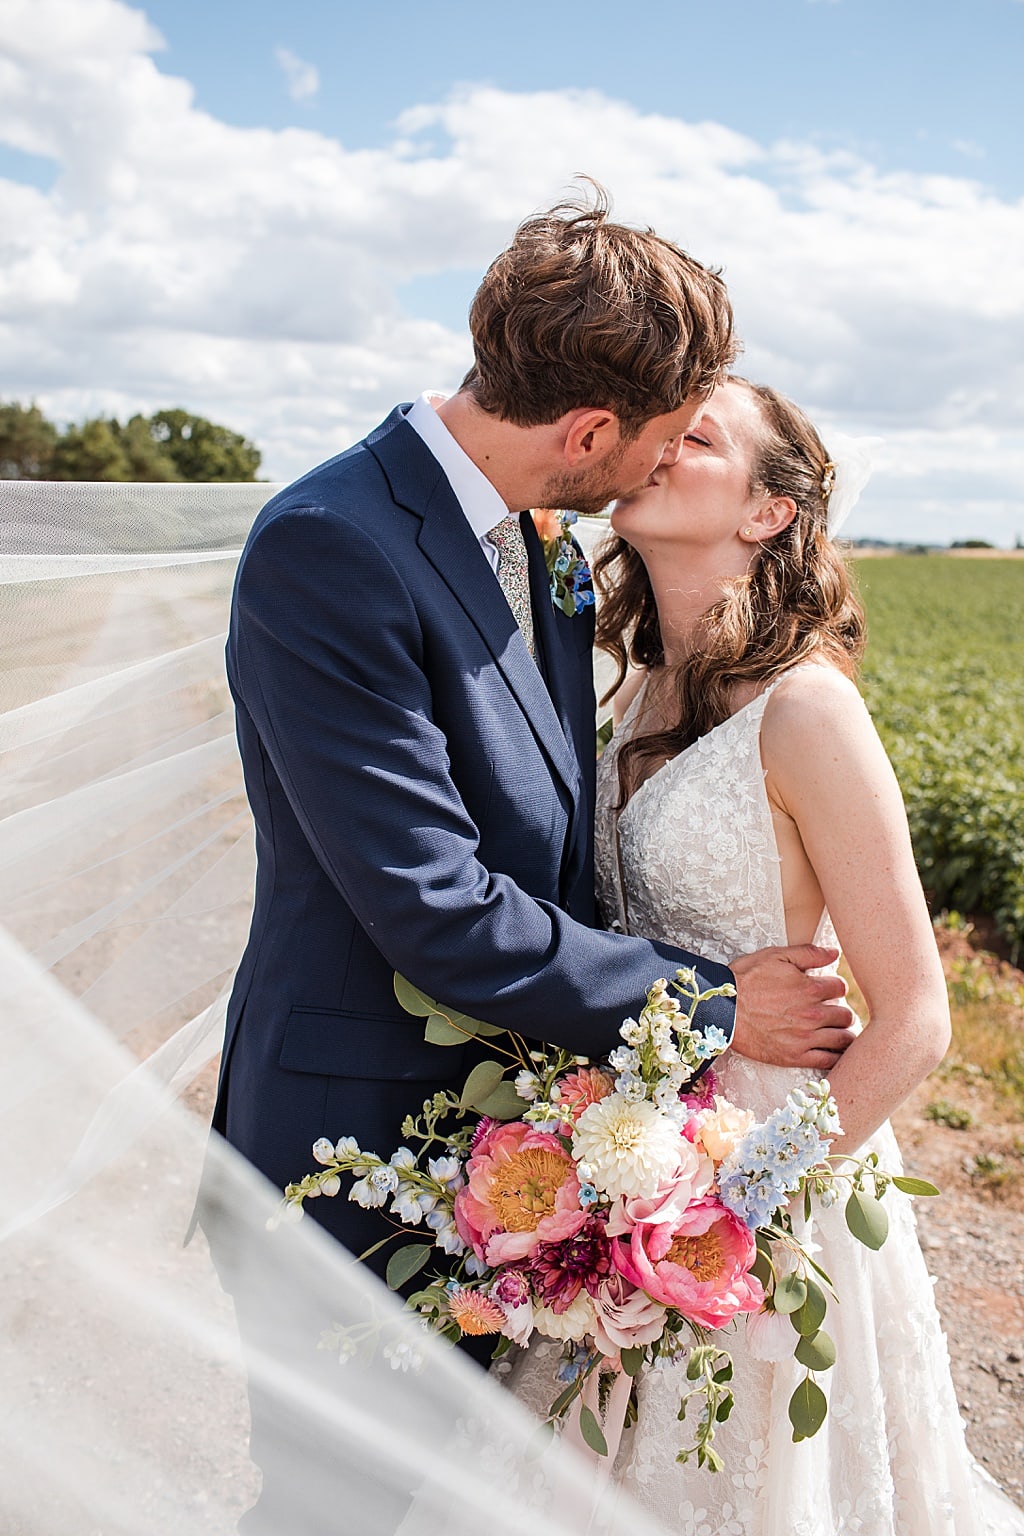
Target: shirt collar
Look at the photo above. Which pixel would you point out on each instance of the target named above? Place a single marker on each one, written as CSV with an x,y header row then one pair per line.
x,y
483,507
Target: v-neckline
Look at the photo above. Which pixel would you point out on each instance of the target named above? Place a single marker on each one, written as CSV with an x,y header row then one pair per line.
x,y
759,698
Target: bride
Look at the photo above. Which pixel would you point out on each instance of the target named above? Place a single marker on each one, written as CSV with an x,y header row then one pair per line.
x,y
745,800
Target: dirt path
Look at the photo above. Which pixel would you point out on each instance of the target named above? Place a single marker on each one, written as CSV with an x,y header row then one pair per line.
x,y
973,1237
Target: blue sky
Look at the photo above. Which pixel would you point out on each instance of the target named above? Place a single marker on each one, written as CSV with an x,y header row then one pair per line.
x,y
912,85
277,215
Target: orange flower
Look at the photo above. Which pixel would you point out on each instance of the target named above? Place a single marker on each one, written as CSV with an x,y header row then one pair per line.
x,y
474,1312
580,1089
547,522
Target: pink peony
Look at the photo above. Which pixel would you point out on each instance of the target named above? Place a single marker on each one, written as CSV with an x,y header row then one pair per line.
x,y
721,1128
626,1317
698,1264
579,1089
668,1204
522,1191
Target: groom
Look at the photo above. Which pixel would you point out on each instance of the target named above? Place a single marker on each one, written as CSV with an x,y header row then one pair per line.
x,y
420,765
416,719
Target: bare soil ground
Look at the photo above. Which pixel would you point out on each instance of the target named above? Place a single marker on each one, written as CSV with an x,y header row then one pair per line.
x,y
973,1234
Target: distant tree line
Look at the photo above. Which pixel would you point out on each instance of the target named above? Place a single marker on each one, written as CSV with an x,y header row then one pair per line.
x,y
169,445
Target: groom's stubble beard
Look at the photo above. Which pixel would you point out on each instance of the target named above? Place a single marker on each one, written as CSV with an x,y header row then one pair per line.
x,y
589,491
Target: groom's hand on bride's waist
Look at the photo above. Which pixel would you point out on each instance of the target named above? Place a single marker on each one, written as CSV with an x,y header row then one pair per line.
x,y
786,1016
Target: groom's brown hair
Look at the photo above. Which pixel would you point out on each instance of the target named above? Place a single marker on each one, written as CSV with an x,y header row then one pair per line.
x,y
580,311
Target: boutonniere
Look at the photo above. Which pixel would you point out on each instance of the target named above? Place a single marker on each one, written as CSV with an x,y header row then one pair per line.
x,y
572,588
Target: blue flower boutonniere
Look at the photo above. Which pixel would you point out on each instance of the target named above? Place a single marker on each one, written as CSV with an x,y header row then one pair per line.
x,y
572,588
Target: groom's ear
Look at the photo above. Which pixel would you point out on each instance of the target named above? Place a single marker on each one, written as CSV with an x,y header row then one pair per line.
x,y
590,435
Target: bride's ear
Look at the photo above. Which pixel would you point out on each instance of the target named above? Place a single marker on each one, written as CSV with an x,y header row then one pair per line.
x,y
769,519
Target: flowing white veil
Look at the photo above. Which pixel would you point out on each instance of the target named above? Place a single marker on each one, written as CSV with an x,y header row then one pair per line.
x,y
126,868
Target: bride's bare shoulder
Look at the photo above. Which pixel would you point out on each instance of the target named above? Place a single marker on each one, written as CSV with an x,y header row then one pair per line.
x,y
812,689
814,719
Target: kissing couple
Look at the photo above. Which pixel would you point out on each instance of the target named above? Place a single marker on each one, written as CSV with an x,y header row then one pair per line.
x,y
416,719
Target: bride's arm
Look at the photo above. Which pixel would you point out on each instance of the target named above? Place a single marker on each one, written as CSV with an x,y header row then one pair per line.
x,y
828,770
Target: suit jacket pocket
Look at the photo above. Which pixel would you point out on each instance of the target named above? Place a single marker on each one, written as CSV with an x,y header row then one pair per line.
x,y
332,1043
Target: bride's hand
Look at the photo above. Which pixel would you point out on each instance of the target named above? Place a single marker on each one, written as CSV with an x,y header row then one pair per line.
x,y
786,1017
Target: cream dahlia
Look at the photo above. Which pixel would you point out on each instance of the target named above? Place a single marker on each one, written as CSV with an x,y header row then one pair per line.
x,y
629,1146
576,1322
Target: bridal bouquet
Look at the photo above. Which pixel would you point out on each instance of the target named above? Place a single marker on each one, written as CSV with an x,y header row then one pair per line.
x,y
626,1209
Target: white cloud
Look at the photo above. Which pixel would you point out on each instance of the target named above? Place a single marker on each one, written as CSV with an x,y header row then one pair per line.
x,y
257,275
303,79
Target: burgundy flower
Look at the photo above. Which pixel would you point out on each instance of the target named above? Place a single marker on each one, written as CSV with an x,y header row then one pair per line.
x,y
512,1287
561,1270
703,1095
484,1125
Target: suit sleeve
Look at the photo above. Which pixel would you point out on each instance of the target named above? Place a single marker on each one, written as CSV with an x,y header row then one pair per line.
x,y
330,663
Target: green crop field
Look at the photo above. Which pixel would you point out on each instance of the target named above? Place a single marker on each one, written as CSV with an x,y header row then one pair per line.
x,y
944,679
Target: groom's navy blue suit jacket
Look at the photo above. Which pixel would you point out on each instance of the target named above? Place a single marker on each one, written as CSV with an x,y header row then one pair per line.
x,y
423,799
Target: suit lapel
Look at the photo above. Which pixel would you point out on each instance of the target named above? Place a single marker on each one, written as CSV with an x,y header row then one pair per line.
x,y
559,652
447,541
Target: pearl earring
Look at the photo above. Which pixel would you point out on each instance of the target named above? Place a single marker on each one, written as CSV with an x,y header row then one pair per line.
x,y
748,533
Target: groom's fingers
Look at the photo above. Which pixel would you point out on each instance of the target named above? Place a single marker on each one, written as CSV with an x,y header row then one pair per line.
x,y
834,1041
809,957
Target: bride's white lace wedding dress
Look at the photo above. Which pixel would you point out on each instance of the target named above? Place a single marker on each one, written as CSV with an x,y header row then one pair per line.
x,y
692,860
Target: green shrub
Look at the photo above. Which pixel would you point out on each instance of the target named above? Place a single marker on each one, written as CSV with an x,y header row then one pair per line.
x,y
944,679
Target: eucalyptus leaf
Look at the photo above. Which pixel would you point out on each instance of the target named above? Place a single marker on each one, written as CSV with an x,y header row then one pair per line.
x,y
809,1318
761,1268
503,1104
412,999
481,1082
563,1400
817,1351
467,1024
373,1248
592,1432
867,1219
807,1409
914,1186
632,1360
440,1032
406,1262
790,1293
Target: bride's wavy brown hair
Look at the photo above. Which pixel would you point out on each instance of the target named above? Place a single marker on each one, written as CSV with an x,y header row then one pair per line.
x,y
797,601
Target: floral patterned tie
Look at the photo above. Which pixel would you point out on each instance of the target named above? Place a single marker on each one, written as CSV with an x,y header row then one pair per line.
x,y
514,574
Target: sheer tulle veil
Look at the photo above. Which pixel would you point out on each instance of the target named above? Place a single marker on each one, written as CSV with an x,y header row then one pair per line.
x,y
126,867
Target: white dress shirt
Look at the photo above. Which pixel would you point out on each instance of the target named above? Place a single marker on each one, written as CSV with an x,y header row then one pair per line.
x,y
482,506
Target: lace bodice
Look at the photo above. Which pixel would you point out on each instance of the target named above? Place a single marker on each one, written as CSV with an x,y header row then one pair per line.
x,y
692,858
